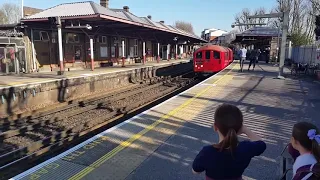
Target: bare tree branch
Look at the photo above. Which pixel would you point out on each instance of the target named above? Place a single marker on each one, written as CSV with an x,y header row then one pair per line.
x,y
184,26
3,18
11,13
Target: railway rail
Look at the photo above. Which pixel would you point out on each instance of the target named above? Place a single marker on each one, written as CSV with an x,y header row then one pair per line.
x,y
30,137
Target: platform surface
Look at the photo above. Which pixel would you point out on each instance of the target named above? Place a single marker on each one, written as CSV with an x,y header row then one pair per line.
x,y
7,81
162,142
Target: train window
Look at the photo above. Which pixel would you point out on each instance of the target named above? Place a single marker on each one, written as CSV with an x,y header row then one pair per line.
x,y
199,55
216,55
208,55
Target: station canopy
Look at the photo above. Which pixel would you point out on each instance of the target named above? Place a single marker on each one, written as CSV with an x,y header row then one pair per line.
x,y
109,21
257,34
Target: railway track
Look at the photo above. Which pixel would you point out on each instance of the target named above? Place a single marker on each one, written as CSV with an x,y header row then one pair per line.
x,y
32,136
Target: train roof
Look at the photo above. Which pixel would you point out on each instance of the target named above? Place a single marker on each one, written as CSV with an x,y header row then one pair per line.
x,y
213,48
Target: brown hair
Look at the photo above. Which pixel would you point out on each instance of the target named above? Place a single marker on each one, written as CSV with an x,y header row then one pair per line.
x,y
300,134
228,119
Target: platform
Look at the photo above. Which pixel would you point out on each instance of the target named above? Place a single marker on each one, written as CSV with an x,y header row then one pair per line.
x,y
7,81
21,95
162,142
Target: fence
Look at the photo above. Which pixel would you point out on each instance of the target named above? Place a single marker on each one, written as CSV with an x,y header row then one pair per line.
x,y
304,54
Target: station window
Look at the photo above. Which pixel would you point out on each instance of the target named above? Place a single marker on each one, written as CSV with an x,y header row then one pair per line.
x,y
135,49
44,36
102,39
104,51
72,38
36,36
216,55
40,36
199,55
208,55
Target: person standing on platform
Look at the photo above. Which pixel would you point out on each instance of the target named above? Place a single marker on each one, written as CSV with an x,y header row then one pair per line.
x,y
243,56
228,158
254,59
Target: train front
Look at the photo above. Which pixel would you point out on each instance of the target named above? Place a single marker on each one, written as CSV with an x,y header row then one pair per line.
x,y
197,61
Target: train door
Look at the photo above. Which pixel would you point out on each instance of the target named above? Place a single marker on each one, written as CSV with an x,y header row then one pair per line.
x,y
226,59
208,64
216,62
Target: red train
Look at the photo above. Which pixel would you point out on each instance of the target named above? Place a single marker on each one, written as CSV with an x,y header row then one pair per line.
x,y
211,58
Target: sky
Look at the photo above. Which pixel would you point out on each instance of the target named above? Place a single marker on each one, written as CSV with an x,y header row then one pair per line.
x,y
201,14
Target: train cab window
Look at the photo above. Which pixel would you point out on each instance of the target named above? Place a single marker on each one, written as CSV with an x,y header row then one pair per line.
x,y
208,55
216,55
199,55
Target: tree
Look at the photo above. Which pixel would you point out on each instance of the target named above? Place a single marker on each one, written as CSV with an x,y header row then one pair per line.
x,y
299,39
301,18
3,17
316,4
184,26
243,18
9,13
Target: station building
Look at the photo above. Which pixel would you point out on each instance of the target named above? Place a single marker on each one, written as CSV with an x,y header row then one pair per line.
x,y
91,35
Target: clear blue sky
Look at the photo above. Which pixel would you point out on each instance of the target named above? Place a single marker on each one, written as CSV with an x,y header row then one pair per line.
x,y
201,13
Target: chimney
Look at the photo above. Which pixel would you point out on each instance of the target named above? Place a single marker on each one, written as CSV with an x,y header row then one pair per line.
x,y
149,17
126,8
162,22
104,3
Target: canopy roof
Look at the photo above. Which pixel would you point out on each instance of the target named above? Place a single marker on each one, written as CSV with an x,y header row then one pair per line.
x,y
95,12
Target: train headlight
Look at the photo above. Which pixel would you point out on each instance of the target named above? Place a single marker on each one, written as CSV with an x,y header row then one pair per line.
x,y
201,66
195,66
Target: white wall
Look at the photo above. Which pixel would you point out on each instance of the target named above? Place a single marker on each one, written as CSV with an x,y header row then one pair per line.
x,y
304,54
217,33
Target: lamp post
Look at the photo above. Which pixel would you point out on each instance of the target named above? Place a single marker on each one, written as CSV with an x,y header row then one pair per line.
x,y
22,14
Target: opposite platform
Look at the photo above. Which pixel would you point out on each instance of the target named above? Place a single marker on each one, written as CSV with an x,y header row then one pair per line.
x,y
38,92
162,142
7,81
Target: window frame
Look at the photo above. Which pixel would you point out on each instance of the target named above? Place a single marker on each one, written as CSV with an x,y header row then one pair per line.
x,y
73,40
46,34
40,35
106,52
208,51
104,40
135,47
219,55
197,55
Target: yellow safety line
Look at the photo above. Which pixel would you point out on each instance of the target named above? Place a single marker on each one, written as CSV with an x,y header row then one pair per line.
x,y
126,143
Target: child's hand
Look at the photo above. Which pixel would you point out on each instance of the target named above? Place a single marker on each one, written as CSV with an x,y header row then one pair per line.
x,y
242,130
251,135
